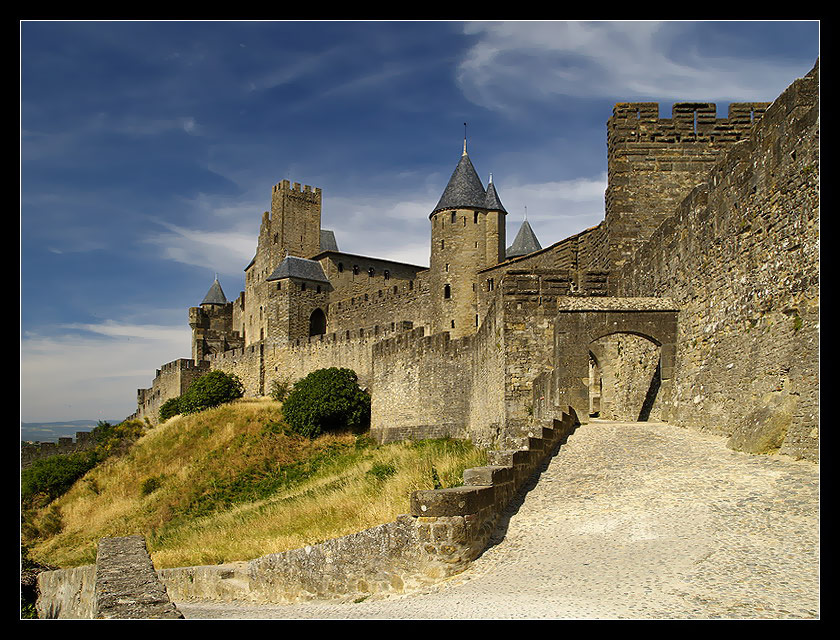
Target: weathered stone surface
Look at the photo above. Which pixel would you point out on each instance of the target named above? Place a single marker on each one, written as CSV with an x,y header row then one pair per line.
x,y
126,583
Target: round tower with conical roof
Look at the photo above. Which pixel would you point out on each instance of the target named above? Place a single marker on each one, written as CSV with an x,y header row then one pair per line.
x,y
468,234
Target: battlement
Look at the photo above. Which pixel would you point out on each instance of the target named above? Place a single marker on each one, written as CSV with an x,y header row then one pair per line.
x,y
295,188
689,122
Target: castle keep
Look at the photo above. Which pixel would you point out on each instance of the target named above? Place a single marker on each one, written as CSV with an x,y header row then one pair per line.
x,y
695,301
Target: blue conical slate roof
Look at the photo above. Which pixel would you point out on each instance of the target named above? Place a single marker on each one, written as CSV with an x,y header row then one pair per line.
x,y
215,295
464,189
491,198
525,242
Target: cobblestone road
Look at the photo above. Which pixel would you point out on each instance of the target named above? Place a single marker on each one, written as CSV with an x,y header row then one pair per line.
x,y
628,521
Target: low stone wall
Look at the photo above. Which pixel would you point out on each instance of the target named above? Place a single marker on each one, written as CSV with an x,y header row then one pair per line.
x,y
121,585
67,593
445,531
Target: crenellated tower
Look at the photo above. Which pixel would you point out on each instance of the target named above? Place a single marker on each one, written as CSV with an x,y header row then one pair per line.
x,y
291,228
468,234
653,163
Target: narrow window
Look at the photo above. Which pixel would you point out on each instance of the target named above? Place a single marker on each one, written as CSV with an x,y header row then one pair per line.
x,y
441,244
341,267
447,291
386,274
371,271
318,288
355,269
453,217
475,217
452,323
303,286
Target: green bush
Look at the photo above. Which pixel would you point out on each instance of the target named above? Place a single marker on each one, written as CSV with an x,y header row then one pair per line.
x,y
211,390
53,476
327,400
171,407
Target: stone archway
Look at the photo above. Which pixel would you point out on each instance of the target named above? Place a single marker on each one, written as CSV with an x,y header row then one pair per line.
x,y
317,323
583,321
624,377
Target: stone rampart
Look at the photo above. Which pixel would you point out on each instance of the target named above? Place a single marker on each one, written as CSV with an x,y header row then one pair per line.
x,y
31,451
740,257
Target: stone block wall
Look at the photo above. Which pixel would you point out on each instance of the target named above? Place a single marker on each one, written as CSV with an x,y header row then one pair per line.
x,y
31,451
121,585
170,381
740,257
653,162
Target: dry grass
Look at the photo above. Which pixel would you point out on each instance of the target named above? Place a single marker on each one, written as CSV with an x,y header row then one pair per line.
x,y
201,460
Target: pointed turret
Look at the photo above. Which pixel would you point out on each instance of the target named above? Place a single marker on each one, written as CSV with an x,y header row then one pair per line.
x,y
215,295
491,198
525,242
464,190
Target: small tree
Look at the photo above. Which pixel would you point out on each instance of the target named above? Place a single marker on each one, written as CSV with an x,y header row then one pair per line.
x,y
211,390
327,400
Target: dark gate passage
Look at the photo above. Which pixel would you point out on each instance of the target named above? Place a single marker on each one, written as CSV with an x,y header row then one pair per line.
x,y
580,327
317,323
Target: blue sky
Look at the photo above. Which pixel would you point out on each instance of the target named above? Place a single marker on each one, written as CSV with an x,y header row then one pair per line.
x,y
148,152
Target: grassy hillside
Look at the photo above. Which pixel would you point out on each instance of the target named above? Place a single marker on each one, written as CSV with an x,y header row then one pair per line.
x,y
232,483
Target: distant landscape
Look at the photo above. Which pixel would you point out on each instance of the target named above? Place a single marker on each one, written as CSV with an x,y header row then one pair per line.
x,y
52,431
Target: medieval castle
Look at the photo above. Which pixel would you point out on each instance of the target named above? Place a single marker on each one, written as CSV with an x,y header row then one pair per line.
x,y
695,301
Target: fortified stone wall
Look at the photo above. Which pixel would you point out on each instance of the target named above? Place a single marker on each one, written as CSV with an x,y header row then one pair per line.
x,y
170,381
654,162
31,451
741,259
478,386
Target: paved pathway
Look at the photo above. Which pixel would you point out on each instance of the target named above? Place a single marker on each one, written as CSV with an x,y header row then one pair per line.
x,y
628,521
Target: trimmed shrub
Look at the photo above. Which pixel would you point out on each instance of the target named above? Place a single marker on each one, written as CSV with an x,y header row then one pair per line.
x,y
211,390
327,400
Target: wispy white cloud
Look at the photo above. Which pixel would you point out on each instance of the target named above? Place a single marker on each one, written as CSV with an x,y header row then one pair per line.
x,y
91,371
513,63
222,248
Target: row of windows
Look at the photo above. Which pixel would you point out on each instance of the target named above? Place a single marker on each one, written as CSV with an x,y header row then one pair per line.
x,y
371,271
453,218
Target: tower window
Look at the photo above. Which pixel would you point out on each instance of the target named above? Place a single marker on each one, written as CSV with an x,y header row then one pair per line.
x,y
355,269
441,244
386,274
453,217
371,271
303,286
475,217
341,267
452,324
447,291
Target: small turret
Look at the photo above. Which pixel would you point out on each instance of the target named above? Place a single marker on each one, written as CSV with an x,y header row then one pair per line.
x,y
215,295
525,242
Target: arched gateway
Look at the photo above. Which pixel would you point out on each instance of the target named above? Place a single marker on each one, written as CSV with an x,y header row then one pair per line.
x,y
582,325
